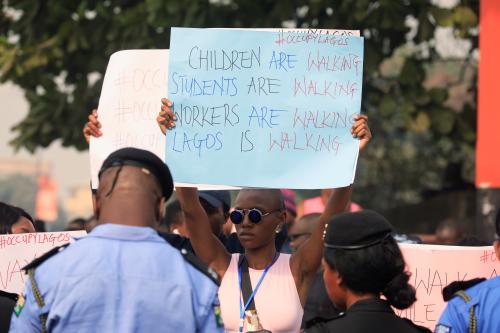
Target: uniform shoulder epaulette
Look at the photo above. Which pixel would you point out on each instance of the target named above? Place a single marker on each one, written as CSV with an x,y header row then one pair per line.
x,y
321,320
200,266
37,261
450,290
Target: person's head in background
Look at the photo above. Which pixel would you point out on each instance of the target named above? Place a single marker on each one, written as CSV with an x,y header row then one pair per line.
x,y
216,205
14,220
290,206
301,230
91,223
472,240
496,243
173,220
363,261
448,232
40,225
76,224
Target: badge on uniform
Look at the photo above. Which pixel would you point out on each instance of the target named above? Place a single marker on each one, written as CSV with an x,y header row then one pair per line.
x,y
218,313
19,305
440,328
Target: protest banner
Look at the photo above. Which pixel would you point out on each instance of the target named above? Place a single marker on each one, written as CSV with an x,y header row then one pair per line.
x,y
264,109
134,83
433,267
18,250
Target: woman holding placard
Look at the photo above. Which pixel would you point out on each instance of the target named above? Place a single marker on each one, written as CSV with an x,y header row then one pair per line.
x,y
261,290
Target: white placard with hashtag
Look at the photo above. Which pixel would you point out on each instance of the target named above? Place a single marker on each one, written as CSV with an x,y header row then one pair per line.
x,y
18,250
433,267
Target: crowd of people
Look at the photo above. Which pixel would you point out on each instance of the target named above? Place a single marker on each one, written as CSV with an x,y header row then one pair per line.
x,y
206,263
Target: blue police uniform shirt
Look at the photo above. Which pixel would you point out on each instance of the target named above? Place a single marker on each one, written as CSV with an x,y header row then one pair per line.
x,y
120,279
485,296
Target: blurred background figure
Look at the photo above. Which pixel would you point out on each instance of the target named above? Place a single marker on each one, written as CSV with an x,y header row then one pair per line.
x,y
216,204
301,230
318,305
291,215
76,224
91,224
14,220
290,206
173,220
448,232
317,204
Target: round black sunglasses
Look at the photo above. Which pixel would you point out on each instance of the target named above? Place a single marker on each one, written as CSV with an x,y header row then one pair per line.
x,y
254,215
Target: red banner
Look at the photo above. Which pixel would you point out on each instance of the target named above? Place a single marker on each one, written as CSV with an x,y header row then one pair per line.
x,y
46,200
488,121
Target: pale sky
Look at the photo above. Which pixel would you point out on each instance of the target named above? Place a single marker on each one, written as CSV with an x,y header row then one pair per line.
x,y
69,167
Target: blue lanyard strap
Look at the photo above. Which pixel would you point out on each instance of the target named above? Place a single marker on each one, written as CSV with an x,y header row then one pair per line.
x,y
243,309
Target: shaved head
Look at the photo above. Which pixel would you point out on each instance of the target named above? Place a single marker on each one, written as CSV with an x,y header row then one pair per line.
x,y
271,197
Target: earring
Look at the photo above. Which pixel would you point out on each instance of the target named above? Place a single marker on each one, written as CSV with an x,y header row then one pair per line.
x,y
278,228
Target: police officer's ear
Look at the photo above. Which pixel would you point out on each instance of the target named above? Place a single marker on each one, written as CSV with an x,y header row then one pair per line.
x,y
94,201
496,245
96,204
160,209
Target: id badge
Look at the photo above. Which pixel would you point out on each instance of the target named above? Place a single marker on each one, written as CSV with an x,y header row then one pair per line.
x,y
253,322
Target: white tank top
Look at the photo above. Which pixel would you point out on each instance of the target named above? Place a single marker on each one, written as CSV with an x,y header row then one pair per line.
x,y
277,300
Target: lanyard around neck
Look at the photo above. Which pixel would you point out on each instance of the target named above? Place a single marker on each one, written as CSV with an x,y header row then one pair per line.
x,y
243,308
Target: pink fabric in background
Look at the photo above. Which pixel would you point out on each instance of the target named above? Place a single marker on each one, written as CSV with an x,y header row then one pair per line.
x,y
315,205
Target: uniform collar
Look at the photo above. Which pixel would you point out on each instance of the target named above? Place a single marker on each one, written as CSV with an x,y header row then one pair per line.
x,y
371,305
125,232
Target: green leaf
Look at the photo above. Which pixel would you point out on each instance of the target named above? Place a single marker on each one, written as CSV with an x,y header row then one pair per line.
x,y
465,17
443,120
412,73
438,95
388,106
444,17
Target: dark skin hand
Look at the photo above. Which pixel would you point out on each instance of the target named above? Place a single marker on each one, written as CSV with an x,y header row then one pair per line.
x,y
92,127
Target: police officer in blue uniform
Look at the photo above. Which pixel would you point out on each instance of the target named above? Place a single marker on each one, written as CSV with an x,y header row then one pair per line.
x,y
474,306
122,277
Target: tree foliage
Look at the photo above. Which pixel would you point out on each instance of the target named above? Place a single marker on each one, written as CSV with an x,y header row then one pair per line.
x,y
54,50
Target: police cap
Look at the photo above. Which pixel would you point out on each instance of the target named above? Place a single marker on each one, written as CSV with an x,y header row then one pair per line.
x,y
352,231
142,159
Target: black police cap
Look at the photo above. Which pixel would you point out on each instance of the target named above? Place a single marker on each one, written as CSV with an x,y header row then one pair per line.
x,y
142,159
352,231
